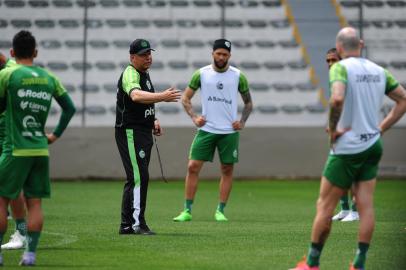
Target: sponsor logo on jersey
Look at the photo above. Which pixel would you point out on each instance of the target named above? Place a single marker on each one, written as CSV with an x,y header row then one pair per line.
x,y
141,153
219,85
35,107
30,122
149,85
217,99
367,136
149,112
28,93
367,78
235,153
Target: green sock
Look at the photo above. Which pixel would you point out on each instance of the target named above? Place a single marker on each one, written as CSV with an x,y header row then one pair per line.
x,y
32,240
313,258
354,206
221,206
361,256
344,203
188,205
21,226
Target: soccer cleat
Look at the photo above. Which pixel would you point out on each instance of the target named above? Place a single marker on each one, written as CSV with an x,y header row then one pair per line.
x,y
28,259
144,230
17,241
342,214
219,216
302,265
352,216
185,215
352,267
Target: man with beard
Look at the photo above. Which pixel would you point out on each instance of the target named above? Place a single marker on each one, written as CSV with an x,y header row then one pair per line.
x,y
218,125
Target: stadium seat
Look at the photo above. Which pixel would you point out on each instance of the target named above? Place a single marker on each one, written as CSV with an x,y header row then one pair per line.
x,y
94,23
305,86
178,3
122,43
163,23
81,66
3,23
249,65
178,64
248,3
90,88
257,23
62,3
139,23
288,43
194,43
272,3
14,3
259,87
5,44
273,65
58,66
132,3
74,44
116,23
297,65
86,3
280,23
315,108
69,87
373,3
401,23
242,43
99,44
265,44
225,3
105,65
282,87
45,23
396,3
202,3
171,43
398,64
157,65
95,110
200,64
21,23
38,3
159,87
382,24
69,23
110,88
291,108
350,4
186,23
109,3
267,109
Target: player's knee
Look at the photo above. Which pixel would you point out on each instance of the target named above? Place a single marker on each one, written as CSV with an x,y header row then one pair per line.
x,y
227,170
193,167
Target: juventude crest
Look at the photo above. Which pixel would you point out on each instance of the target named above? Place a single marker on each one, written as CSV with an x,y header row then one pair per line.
x,y
149,85
219,85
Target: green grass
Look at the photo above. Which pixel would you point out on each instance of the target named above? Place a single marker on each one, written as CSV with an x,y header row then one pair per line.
x,y
269,228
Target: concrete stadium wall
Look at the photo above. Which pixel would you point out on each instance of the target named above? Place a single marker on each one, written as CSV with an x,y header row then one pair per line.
x,y
264,153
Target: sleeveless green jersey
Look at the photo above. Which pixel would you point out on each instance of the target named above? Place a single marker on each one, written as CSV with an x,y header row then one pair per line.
x,y
27,92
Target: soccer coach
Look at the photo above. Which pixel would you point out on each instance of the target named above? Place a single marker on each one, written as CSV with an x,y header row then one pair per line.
x,y
135,123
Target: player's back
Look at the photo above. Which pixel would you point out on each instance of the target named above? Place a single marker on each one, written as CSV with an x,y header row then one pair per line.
x,y
366,84
29,91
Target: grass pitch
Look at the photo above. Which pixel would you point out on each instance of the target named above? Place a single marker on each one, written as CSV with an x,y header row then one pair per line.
x,y
269,228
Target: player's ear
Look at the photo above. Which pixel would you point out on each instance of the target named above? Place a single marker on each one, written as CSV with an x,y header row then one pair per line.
x,y
12,54
35,53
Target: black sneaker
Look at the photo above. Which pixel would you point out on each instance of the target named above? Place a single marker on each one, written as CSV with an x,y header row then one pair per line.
x,y
144,230
126,230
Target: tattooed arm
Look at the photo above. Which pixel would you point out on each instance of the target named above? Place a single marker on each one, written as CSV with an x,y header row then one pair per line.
x,y
336,107
187,96
246,97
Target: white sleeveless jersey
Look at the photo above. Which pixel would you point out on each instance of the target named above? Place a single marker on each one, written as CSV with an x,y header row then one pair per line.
x,y
219,97
366,85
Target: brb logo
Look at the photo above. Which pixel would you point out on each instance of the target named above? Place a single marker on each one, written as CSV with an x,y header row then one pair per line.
x,y
149,112
28,93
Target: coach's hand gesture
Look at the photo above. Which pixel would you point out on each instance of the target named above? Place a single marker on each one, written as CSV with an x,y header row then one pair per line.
x,y
171,95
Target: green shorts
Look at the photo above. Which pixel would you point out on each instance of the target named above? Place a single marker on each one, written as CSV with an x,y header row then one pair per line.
x,y
343,170
30,174
205,144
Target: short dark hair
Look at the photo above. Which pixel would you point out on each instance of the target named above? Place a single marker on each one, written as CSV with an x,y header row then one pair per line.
x,y
332,50
24,44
